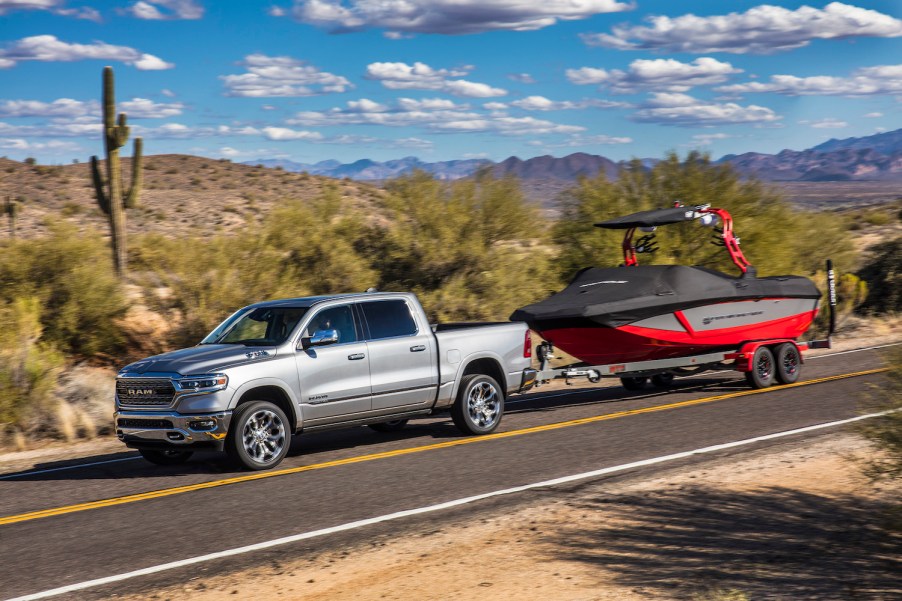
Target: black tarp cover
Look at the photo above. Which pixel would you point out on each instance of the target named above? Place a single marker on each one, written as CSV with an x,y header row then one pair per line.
x,y
617,296
651,218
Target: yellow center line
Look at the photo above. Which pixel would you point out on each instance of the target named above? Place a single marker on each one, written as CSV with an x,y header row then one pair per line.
x,y
166,492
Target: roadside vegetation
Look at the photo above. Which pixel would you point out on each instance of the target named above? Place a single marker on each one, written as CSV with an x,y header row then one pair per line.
x,y
472,249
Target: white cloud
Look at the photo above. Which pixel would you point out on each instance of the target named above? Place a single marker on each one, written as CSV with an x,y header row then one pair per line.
x,y
705,139
521,77
171,10
658,74
52,130
874,115
686,111
447,16
281,134
57,7
167,93
828,123
140,108
420,76
434,115
50,49
866,81
276,11
540,103
269,76
23,144
760,30
579,141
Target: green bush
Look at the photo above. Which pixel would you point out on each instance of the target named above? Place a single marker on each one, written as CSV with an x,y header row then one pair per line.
x,y
71,275
469,249
886,431
29,368
883,273
775,238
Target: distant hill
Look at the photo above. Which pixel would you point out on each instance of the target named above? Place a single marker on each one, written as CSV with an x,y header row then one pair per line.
x,y
869,158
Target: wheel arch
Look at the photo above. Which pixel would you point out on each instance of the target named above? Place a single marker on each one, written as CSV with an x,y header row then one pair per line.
x,y
487,365
271,391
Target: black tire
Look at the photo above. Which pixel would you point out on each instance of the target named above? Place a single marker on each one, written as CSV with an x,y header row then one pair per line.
x,y
166,457
664,380
633,382
259,436
789,363
479,406
395,425
763,368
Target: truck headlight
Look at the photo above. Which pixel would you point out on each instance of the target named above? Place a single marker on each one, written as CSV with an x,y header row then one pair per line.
x,y
206,383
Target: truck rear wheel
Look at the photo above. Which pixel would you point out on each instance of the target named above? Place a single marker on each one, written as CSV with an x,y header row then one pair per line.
x,y
259,436
166,457
633,382
479,405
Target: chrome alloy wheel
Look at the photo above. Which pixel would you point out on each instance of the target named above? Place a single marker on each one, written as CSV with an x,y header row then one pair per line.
x,y
791,362
263,436
483,405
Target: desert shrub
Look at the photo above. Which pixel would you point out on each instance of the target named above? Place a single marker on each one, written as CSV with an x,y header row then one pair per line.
x,y
775,239
29,368
300,249
883,273
72,277
466,248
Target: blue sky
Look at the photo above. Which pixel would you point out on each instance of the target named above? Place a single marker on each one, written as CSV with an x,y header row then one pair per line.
x,y
309,80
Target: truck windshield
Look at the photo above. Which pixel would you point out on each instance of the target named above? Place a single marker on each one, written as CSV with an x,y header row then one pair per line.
x,y
261,326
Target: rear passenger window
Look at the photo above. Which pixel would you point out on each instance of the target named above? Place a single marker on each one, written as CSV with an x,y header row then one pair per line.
x,y
389,319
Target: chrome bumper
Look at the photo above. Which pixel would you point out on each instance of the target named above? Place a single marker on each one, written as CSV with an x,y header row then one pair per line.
x,y
158,428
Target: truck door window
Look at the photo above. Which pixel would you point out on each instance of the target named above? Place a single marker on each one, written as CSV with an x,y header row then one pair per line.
x,y
388,319
340,319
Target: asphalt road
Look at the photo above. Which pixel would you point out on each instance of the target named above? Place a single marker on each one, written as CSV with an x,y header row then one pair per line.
x,y
345,476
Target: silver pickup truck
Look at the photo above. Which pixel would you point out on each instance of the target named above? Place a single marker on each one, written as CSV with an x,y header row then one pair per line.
x,y
278,368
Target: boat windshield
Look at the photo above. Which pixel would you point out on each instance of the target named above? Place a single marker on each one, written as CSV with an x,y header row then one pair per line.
x,y
260,326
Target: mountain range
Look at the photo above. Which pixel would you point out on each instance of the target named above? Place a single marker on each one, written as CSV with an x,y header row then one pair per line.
x,y
869,158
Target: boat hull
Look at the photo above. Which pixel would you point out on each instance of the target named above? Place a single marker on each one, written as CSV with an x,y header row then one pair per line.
x,y
687,332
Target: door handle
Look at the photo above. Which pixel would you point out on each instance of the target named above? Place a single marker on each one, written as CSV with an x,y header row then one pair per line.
x,y
418,348
356,357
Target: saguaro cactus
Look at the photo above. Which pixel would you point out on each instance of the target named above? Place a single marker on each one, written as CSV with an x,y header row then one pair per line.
x,y
11,208
110,194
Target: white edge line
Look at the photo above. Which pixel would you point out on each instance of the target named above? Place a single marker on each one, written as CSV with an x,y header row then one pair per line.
x,y
429,509
67,467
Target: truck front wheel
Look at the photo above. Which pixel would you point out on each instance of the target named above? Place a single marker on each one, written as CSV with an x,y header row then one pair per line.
x,y
479,405
259,436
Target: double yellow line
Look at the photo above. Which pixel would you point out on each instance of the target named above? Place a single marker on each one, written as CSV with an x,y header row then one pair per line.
x,y
166,492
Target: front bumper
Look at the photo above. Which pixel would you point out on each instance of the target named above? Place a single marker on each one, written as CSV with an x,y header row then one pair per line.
x,y
157,429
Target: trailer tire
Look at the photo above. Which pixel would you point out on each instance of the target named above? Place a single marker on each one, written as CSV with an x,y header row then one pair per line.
x,y
789,363
763,369
259,436
633,382
479,406
166,457
395,425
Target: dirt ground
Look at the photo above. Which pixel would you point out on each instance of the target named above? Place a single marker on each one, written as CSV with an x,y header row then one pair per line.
x,y
797,521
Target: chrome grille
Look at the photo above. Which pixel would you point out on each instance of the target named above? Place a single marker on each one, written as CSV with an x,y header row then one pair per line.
x,y
145,392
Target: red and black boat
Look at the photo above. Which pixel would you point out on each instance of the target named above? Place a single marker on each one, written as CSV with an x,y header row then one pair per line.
x,y
636,313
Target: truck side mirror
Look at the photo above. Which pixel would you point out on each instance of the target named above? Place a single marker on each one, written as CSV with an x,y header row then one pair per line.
x,y
320,338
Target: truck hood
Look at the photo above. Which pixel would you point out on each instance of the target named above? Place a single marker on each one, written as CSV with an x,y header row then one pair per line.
x,y
202,359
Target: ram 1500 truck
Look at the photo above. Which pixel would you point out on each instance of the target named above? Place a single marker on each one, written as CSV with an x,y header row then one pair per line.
x,y
278,368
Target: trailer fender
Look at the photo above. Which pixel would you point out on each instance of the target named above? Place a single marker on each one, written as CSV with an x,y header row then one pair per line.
x,y
747,351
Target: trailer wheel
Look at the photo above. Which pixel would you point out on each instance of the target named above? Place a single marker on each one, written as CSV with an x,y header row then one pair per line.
x,y
789,363
763,368
259,436
664,380
166,457
395,425
633,382
479,405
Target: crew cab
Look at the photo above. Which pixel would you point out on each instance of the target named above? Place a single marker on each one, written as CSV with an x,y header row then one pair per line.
x,y
276,369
